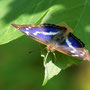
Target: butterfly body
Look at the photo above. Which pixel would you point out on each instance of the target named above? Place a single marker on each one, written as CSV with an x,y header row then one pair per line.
x,y
56,37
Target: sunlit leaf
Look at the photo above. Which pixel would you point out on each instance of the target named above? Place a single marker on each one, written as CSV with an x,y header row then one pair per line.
x,y
50,71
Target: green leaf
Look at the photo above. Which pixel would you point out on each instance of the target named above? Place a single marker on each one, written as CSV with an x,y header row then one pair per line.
x,y
19,12
50,68
50,71
59,63
75,13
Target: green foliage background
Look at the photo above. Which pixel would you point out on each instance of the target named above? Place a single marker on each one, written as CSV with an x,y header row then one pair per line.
x,y
20,70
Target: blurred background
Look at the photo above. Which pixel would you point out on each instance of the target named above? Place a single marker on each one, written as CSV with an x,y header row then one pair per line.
x,y
21,70
21,65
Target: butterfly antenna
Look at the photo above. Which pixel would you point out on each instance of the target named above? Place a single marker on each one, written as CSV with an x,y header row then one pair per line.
x,y
44,48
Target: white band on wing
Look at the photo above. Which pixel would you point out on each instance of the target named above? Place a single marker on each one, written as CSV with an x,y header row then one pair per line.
x,y
70,45
45,33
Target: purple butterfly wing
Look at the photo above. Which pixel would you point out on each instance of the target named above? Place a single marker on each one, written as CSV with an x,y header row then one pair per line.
x,y
49,34
74,47
41,33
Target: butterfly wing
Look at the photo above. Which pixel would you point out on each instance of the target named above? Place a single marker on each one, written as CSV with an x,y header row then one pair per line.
x,y
41,33
63,24
74,47
50,33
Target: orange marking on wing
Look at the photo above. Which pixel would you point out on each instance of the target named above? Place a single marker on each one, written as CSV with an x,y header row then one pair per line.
x,y
68,28
62,52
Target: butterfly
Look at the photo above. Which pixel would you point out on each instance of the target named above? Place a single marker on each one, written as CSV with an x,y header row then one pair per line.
x,y
56,37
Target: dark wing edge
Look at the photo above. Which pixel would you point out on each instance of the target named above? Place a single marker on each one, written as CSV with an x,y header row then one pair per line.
x,y
79,41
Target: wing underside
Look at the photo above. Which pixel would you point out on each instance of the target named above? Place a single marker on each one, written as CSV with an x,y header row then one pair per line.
x,y
74,47
41,33
48,33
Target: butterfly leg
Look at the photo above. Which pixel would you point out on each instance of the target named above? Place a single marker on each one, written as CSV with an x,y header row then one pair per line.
x,y
54,57
45,58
